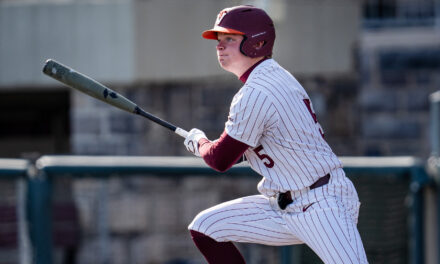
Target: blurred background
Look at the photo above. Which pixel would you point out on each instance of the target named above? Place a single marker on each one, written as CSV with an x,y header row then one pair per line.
x,y
369,67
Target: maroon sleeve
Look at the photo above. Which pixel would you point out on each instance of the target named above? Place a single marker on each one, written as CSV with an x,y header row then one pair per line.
x,y
223,153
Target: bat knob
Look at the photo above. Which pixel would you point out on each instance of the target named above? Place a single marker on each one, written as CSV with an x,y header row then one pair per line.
x,y
48,67
54,69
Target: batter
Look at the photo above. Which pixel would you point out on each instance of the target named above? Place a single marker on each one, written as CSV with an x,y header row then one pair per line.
x,y
305,196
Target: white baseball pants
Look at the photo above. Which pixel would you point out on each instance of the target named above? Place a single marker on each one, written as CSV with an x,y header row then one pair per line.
x,y
324,218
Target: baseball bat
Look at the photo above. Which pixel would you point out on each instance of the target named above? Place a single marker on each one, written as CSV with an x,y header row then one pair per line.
x,y
97,90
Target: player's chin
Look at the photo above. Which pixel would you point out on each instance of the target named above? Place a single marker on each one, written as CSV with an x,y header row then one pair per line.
x,y
222,63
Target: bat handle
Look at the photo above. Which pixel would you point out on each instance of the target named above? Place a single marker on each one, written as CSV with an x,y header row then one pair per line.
x,y
181,132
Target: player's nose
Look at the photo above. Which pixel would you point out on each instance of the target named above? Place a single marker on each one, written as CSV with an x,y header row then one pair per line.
x,y
220,46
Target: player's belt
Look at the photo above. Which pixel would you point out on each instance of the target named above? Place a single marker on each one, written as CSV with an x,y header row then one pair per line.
x,y
284,199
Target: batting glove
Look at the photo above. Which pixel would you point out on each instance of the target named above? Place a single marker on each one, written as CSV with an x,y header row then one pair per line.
x,y
192,141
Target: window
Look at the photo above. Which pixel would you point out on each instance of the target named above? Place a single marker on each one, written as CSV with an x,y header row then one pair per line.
x,y
400,13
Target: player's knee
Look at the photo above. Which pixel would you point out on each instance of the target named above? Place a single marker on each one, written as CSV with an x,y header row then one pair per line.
x,y
191,226
197,222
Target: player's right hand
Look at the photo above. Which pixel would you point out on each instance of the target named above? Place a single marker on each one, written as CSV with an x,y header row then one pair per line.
x,y
192,141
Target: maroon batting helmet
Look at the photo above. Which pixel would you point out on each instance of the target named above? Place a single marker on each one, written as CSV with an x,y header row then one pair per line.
x,y
251,22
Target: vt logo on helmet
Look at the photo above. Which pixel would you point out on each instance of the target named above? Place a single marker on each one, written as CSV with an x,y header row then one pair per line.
x,y
220,16
251,22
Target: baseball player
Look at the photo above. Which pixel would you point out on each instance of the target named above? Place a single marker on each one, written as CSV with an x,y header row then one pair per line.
x,y
305,196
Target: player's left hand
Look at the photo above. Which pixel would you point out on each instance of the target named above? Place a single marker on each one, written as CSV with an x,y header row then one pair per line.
x,y
192,141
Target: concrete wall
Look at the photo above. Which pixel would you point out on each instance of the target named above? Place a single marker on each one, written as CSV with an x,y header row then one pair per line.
x,y
129,41
318,37
93,37
313,37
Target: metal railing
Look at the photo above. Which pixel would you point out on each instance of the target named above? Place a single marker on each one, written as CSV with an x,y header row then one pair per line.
x,y
17,170
40,184
50,167
433,165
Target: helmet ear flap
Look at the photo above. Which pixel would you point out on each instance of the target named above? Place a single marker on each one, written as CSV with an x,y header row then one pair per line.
x,y
251,48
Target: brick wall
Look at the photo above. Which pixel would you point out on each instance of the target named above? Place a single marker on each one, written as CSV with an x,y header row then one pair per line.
x,y
144,219
393,99
102,129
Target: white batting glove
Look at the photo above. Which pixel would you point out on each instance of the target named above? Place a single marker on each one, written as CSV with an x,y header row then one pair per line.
x,y
192,141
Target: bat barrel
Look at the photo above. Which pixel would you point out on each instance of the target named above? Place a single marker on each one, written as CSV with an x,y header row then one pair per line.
x,y
95,89
87,85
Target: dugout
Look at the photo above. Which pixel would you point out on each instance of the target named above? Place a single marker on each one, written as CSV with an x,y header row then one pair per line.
x,y
34,121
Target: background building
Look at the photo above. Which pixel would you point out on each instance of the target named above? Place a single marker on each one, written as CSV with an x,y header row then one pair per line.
x,y
369,67
152,52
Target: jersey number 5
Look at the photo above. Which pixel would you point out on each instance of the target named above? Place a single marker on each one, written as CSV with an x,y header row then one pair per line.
x,y
268,161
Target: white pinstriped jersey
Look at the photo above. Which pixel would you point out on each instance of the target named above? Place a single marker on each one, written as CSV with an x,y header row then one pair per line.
x,y
273,114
